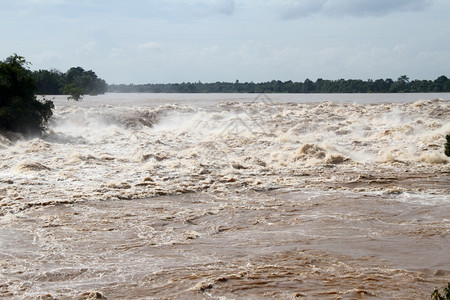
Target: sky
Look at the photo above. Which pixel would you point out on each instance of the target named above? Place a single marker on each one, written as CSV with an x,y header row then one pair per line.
x,y
155,41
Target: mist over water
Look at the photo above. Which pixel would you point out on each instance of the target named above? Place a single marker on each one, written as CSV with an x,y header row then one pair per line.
x,y
234,196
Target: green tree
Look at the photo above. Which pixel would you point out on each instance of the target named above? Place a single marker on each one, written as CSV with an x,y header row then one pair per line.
x,y
79,82
74,92
401,85
440,84
49,82
20,111
308,86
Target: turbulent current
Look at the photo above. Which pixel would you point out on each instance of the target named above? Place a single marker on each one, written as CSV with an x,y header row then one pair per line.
x,y
229,197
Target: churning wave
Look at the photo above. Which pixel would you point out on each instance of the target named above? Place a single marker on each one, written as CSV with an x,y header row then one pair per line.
x,y
121,152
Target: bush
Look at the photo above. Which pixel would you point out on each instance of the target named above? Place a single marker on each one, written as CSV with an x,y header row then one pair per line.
x,y
447,145
74,92
20,111
436,295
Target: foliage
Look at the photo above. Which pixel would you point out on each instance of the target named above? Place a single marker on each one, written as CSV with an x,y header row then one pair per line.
x,y
436,295
447,145
20,111
402,85
75,82
49,82
74,91
86,81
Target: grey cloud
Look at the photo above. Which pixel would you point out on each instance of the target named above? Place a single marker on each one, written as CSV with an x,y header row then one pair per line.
x,y
299,9
362,8
357,8
210,7
225,7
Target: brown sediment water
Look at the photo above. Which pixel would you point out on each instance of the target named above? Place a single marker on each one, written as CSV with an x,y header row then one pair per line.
x,y
236,199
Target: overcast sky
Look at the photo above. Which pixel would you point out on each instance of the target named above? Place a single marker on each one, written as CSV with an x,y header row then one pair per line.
x,y
155,41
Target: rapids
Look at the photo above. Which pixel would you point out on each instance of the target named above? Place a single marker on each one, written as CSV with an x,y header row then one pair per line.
x,y
228,196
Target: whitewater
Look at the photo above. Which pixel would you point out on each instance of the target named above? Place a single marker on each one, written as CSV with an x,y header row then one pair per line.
x,y
229,196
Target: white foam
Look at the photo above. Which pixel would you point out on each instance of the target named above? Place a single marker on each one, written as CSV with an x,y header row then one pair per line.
x,y
91,146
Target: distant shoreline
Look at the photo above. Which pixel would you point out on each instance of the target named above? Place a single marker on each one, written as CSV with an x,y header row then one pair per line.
x,y
206,99
256,93
320,86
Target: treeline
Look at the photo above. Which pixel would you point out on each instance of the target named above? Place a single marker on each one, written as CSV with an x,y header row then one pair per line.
x,y
401,85
21,111
76,81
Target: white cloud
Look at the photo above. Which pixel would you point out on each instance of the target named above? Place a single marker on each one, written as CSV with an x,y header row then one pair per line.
x,y
367,56
40,2
32,7
115,53
210,49
87,48
47,57
150,46
400,48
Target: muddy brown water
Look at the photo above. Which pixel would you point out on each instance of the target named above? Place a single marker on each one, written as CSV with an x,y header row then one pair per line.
x,y
229,201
